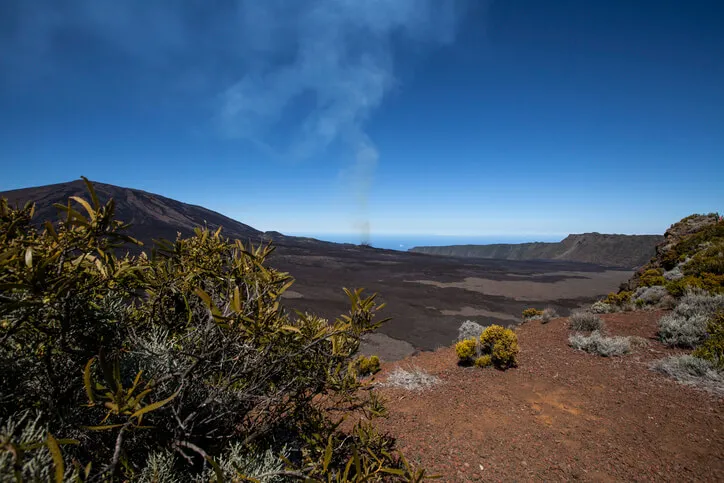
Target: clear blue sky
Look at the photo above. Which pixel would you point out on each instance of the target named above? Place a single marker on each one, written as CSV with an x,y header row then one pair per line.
x,y
416,116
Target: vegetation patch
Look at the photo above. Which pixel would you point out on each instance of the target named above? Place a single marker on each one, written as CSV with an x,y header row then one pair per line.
x,y
692,371
596,343
532,314
495,345
469,330
412,379
175,365
368,365
501,344
686,326
585,322
712,349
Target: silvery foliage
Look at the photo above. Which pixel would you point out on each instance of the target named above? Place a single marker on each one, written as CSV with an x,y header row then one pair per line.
x,y
600,307
25,428
691,371
674,274
414,379
469,330
585,321
686,325
548,314
263,467
601,345
650,295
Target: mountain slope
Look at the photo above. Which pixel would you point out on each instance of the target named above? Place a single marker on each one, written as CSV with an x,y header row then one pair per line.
x,y
627,251
151,216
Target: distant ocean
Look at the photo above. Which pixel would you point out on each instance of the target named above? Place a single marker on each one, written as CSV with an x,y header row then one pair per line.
x,y
405,242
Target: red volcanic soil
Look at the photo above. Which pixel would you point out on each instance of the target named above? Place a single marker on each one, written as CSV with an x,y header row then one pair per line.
x,y
561,415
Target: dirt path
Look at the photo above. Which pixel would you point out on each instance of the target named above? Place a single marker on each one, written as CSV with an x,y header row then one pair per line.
x,y
561,415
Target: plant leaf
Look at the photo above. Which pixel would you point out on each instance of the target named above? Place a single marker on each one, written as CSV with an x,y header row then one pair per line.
x,y
57,458
153,407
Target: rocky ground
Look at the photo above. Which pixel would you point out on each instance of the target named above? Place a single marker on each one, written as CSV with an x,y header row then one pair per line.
x,y
428,297
561,415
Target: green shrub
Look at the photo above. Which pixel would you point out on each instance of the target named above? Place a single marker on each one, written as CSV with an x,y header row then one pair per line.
x,y
181,362
677,288
484,361
618,298
466,350
501,344
651,277
368,365
712,349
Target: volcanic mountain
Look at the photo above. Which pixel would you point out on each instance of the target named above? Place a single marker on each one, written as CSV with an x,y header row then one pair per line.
x,y
151,216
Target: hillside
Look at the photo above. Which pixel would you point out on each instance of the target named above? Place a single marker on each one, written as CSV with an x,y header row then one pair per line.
x,y
690,255
625,251
562,415
151,216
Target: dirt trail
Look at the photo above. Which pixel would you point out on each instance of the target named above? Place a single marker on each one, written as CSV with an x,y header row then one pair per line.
x,y
561,415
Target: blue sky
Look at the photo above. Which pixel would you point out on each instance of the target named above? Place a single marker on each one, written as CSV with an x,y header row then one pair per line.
x,y
468,118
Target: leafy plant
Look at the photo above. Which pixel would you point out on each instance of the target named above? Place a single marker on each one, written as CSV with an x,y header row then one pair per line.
x,y
531,313
181,361
368,365
712,349
501,344
466,350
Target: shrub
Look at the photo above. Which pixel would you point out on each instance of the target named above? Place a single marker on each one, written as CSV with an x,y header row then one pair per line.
x,y
501,344
414,379
691,371
651,277
532,313
618,298
595,343
466,350
600,307
679,287
649,295
585,322
191,340
484,361
682,331
712,349
548,314
368,365
674,274
469,330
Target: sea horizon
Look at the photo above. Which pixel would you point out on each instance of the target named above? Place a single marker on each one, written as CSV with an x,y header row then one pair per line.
x,y
404,242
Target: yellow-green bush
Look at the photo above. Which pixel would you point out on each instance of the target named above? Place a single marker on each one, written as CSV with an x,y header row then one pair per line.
x,y
677,288
185,354
531,312
651,277
368,365
501,344
712,349
620,298
484,361
466,350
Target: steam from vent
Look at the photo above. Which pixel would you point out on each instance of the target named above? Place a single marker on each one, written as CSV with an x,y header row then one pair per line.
x,y
342,66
